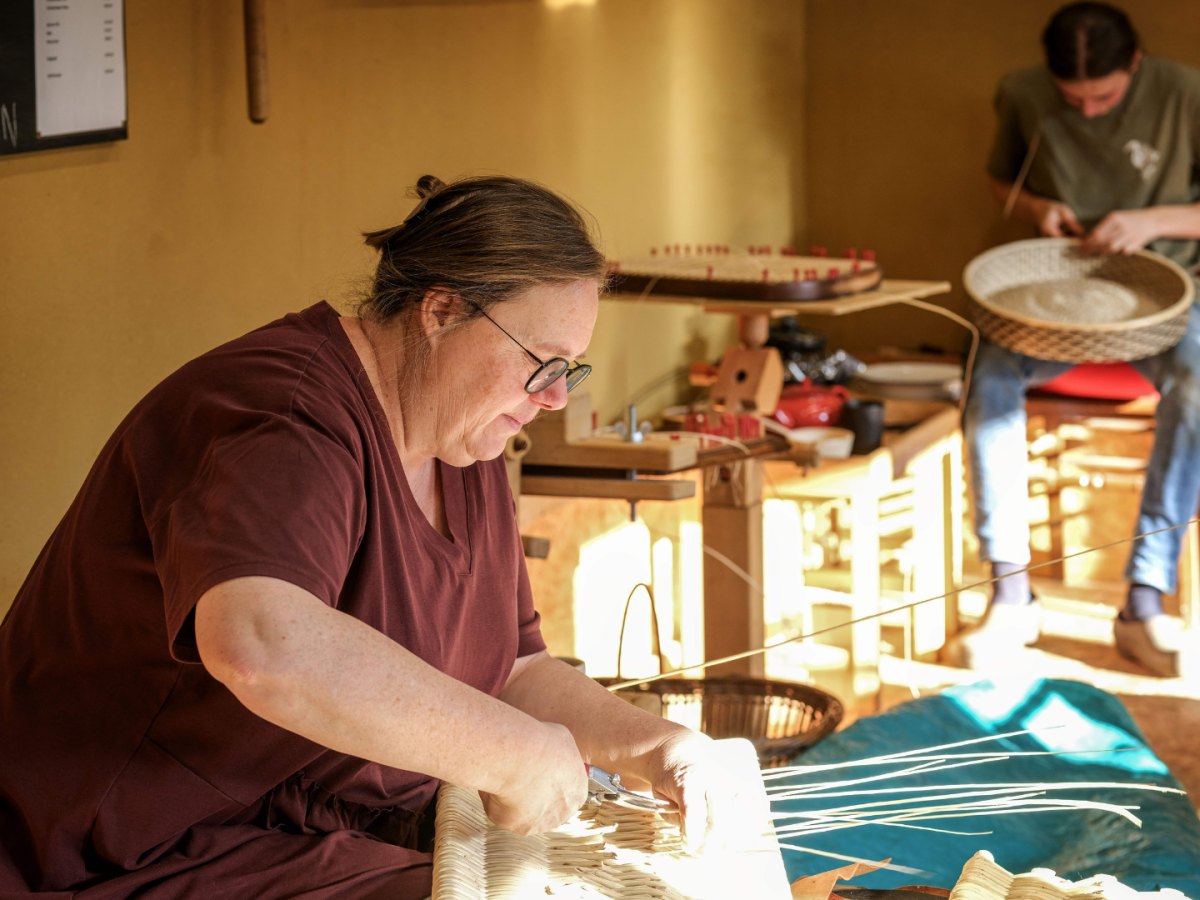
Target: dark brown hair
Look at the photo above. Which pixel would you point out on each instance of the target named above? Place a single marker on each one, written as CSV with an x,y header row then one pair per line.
x,y
1089,40
487,239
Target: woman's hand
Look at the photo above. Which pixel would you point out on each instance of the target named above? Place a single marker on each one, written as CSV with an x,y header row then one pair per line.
x,y
545,791
685,769
1123,231
1054,219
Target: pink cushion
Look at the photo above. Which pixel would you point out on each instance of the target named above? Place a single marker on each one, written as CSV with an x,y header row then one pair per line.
x,y
1100,381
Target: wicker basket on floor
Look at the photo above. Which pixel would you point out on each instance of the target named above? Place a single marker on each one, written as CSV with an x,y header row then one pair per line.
x,y
781,718
1040,260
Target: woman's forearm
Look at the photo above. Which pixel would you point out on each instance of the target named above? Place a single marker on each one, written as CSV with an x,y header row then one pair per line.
x,y
322,674
1177,221
610,733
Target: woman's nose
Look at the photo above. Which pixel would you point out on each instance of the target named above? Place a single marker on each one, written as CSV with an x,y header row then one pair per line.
x,y
552,397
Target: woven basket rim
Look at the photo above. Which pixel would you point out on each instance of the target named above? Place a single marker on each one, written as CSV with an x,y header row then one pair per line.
x,y
1163,315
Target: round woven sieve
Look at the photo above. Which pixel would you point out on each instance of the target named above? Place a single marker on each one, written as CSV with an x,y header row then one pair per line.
x,y
1162,282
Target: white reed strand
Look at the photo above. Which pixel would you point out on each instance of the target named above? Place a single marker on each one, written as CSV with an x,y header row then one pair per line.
x,y
1012,794
816,790
962,811
835,823
806,813
891,867
817,786
769,774
1000,786
869,809
901,814
1119,810
889,757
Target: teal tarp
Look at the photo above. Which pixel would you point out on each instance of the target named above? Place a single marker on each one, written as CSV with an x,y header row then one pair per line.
x,y
1164,852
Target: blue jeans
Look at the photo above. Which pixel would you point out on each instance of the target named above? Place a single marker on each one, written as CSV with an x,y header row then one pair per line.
x,y
994,426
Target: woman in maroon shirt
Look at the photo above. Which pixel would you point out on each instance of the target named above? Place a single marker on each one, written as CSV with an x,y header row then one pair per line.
x,y
290,595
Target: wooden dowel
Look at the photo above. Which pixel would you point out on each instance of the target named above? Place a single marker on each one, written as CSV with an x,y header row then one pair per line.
x,y
256,60
754,329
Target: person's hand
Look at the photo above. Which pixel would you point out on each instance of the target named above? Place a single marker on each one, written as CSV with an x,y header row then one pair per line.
x,y
685,769
1056,219
546,791
1122,232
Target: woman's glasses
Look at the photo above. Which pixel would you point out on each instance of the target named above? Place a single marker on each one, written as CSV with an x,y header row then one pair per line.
x,y
547,372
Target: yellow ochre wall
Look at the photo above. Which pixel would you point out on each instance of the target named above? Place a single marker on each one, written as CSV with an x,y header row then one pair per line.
x,y
669,120
899,124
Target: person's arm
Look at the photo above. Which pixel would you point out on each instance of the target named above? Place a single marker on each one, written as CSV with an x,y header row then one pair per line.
x,y
648,752
296,662
1052,218
1127,230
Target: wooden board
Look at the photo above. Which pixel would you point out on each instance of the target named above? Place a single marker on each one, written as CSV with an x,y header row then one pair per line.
x,y
889,291
607,488
611,452
771,277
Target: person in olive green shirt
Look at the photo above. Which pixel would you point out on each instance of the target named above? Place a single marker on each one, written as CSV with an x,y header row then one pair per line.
x,y
1101,143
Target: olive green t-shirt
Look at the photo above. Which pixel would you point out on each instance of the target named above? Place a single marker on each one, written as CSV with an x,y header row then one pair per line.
x,y
1143,152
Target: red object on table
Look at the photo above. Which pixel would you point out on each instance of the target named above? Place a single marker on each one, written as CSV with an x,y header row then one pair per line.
x,y
805,405
725,425
1100,381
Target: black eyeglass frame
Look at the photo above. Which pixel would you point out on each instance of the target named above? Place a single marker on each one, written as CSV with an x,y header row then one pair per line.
x,y
574,374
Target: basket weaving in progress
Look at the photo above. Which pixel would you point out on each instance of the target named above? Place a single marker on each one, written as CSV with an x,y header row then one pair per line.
x,y
1045,299
608,851
983,879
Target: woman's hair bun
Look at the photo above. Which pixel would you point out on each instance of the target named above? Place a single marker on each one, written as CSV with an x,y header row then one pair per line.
x,y
428,185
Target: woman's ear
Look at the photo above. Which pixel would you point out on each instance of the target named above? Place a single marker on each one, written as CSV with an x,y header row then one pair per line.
x,y
439,308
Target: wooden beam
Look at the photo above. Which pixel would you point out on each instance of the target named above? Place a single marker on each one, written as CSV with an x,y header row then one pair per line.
x,y
733,604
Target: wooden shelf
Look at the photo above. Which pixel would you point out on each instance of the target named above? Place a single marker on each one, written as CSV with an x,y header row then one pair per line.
x,y
612,453
890,291
608,488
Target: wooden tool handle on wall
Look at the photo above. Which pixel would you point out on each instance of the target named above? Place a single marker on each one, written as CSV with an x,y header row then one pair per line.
x,y
256,59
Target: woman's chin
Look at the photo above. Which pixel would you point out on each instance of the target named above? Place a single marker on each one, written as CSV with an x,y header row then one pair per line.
x,y
487,446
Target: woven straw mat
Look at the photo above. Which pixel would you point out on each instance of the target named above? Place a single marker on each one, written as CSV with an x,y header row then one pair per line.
x,y
1154,277
604,851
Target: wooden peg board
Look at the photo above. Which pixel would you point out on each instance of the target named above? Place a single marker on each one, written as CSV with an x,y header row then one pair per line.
x,y
773,277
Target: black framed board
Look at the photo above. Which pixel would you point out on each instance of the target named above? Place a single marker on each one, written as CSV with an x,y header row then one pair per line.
x,y
62,73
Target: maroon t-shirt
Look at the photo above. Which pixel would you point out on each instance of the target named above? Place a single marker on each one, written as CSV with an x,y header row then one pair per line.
x,y
267,456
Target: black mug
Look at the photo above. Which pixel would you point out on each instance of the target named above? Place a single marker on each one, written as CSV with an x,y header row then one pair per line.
x,y
865,419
